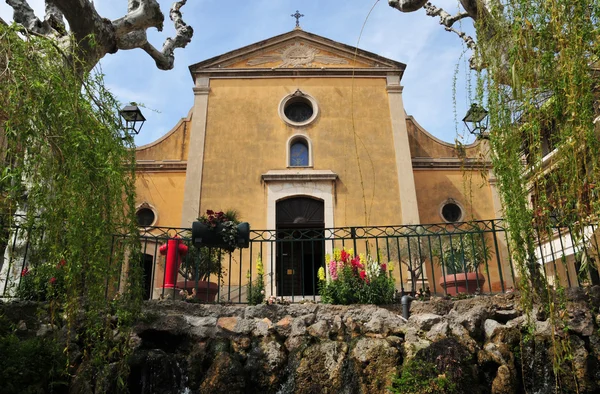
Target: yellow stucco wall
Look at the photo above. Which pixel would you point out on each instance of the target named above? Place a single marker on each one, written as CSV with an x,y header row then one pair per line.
x,y
164,192
423,144
467,188
245,138
172,146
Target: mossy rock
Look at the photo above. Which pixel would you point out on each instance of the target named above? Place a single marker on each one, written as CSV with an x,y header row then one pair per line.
x,y
444,367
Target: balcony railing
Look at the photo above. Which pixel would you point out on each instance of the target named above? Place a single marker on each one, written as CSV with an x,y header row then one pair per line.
x,y
426,259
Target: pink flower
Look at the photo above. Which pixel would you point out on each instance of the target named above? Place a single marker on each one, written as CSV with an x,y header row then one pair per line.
x,y
52,280
25,271
333,270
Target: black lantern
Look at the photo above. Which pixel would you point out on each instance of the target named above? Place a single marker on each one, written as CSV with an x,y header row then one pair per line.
x,y
134,120
476,121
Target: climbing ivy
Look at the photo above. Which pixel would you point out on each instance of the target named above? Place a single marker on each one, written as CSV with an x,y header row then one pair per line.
x,y
70,170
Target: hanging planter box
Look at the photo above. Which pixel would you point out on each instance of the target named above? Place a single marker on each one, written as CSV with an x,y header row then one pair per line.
x,y
204,235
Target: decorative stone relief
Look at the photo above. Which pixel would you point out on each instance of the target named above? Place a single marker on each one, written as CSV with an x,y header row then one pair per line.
x,y
297,55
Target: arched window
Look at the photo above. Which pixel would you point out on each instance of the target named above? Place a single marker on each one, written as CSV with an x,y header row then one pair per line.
x,y
299,154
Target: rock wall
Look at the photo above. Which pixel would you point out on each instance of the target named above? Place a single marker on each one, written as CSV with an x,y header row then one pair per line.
x,y
313,348
478,345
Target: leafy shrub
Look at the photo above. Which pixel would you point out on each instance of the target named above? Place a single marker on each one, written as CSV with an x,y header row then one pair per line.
x,y
355,280
256,288
445,367
31,365
44,282
419,377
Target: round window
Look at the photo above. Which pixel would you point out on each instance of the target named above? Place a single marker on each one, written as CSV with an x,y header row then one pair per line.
x,y
451,212
145,217
298,109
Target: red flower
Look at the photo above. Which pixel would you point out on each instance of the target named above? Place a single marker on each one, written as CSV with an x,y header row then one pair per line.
x,y
52,280
210,212
363,275
344,256
383,267
356,263
25,271
61,263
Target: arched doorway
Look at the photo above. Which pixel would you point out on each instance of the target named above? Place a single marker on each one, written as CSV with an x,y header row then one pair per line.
x,y
300,223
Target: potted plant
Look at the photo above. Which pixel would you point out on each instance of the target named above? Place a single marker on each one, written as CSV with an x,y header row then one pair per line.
x,y
221,230
201,270
460,258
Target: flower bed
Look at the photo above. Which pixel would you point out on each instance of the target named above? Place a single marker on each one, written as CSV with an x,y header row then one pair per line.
x,y
355,279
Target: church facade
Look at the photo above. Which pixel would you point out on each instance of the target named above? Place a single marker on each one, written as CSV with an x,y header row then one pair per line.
x,y
299,131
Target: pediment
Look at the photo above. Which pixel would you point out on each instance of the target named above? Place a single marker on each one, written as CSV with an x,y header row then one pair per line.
x,y
297,50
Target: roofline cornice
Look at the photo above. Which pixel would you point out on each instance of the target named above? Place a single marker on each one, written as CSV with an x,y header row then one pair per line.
x,y
217,62
297,72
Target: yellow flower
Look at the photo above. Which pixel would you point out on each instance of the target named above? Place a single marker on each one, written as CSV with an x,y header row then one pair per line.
x,y
390,266
363,260
321,274
260,270
351,252
337,254
327,258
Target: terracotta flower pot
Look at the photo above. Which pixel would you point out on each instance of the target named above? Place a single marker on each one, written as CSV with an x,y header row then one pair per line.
x,y
466,283
205,291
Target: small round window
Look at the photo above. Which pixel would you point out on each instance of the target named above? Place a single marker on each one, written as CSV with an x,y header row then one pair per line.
x,y
145,217
298,109
451,212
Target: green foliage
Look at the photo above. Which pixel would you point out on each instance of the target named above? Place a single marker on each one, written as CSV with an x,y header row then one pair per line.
x,y
464,253
45,282
67,153
418,377
540,87
443,367
256,287
30,365
355,280
202,263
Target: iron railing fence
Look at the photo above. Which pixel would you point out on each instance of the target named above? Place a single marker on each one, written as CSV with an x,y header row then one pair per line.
x,y
447,258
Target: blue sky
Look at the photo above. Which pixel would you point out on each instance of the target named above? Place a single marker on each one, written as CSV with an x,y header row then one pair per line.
x,y
430,53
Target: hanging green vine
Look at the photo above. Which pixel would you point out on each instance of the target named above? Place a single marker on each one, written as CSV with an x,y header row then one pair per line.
x,y
70,170
540,84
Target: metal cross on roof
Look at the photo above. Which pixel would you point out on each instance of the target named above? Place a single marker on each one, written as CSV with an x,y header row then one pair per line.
x,y
297,15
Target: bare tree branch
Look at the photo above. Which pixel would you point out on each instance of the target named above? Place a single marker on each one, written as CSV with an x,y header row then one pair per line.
x,y
407,5
141,15
97,36
445,18
165,58
23,14
55,19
